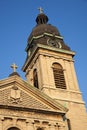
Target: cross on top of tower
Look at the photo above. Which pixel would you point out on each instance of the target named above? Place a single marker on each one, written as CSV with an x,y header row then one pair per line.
x,y
40,9
14,67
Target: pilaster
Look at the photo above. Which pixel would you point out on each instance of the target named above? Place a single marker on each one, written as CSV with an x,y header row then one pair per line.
x,y
61,126
30,124
52,126
43,70
1,123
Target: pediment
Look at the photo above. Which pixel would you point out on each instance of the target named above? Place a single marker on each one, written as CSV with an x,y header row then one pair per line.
x,y
15,92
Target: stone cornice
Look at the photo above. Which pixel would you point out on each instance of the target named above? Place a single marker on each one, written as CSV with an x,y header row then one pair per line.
x,y
56,49
47,48
31,109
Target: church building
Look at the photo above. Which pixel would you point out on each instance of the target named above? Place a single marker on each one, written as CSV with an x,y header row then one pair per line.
x,y
49,98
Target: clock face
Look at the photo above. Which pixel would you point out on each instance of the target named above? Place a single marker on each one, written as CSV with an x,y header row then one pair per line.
x,y
54,43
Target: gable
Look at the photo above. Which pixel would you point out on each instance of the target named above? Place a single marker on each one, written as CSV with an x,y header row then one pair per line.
x,y
16,92
15,96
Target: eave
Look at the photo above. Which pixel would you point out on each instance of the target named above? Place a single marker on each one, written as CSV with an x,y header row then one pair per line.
x,y
31,110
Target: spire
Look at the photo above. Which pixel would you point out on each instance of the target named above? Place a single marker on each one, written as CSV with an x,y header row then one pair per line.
x,y
41,18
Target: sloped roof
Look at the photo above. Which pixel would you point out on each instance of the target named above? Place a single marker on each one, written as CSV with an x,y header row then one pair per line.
x,y
17,93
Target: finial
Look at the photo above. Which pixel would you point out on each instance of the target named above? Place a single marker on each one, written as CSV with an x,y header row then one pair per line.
x,y
14,67
41,10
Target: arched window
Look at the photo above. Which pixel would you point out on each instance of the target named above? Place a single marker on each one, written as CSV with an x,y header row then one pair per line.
x,y
35,78
13,128
69,124
40,128
59,76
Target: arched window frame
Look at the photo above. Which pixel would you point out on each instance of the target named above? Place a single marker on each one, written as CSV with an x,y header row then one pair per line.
x,y
13,128
59,77
35,78
40,128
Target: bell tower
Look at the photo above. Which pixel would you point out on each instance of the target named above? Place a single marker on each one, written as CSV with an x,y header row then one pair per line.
x,y
49,64
49,67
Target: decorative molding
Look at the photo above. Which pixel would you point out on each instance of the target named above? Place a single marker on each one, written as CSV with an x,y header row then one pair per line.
x,y
45,54
15,95
44,34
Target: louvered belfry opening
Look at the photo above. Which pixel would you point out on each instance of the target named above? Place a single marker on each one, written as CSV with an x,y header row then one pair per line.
x,y
59,76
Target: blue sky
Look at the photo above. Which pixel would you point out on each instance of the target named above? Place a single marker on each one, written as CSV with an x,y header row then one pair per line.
x,y
17,18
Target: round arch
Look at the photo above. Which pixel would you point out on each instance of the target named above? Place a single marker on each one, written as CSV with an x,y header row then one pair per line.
x,y
13,128
57,65
59,77
40,128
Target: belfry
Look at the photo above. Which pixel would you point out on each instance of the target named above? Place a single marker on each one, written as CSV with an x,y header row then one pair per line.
x,y
50,98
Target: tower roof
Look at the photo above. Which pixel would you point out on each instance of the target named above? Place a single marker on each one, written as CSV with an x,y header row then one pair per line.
x,y
43,32
42,26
